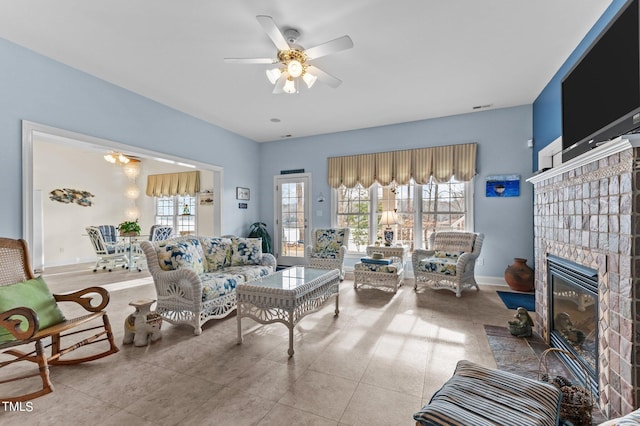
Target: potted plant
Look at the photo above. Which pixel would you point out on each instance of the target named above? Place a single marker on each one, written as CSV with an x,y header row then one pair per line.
x,y
259,230
129,228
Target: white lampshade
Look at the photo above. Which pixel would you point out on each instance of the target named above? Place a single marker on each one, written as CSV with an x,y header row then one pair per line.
x,y
273,75
294,68
123,159
289,86
310,79
389,218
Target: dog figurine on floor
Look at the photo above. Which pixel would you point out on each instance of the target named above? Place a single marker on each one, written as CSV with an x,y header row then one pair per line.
x,y
522,325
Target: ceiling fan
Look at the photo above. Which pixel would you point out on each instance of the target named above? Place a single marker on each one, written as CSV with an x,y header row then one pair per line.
x,y
293,60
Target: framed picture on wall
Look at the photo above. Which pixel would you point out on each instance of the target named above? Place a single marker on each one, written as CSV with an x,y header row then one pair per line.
x,y
206,198
503,186
242,193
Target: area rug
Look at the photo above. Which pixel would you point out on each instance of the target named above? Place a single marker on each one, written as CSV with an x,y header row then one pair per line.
x,y
515,300
521,356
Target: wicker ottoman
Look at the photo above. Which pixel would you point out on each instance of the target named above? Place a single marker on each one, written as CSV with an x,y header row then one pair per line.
x,y
479,396
381,275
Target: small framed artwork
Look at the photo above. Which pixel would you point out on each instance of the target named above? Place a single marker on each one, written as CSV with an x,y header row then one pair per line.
x,y
206,198
503,186
242,193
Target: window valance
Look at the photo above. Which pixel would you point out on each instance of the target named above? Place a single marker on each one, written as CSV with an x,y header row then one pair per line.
x,y
165,185
441,162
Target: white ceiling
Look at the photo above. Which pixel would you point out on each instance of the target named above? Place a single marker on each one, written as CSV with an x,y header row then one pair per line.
x,y
412,59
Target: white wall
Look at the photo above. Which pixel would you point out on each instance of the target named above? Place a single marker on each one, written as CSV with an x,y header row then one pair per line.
x,y
58,166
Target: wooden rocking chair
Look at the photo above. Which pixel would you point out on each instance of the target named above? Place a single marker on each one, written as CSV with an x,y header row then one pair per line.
x,y
20,325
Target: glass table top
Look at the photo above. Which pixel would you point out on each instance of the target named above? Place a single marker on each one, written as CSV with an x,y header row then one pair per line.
x,y
290,278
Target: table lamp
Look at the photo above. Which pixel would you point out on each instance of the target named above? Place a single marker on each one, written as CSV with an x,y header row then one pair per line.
x,y
388,218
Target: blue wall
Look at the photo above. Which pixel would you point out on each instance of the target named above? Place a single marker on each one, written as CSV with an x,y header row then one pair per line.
x,y
502,149
547,108
41,90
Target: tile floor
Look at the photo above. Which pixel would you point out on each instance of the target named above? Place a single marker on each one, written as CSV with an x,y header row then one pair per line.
x,y
375,364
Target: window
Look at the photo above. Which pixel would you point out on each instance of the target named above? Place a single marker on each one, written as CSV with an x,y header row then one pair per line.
x,y
353,212
420,211
444,208
177,211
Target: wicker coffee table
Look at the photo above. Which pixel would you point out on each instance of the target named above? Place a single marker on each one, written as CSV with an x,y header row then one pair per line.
x,y
286,297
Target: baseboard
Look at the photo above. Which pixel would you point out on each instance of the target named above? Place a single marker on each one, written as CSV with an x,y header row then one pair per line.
x,y
408,274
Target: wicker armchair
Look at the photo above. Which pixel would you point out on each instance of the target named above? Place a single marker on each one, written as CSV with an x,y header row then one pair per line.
x,y
30,316
328,249
450,261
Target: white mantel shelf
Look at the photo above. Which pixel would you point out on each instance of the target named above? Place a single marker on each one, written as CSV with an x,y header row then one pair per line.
x,y
605,150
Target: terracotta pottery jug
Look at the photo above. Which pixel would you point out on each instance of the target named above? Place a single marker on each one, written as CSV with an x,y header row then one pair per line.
x,y
519,276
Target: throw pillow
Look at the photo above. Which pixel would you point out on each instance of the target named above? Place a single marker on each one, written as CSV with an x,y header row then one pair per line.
x,y
217,252
246,251
32,294
329,240
181,254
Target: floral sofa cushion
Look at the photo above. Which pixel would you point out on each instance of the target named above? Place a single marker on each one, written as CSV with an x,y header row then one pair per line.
x,y
246,251
449,254
217,252
442,265
373,267
328,243
250,272
216,285
181,254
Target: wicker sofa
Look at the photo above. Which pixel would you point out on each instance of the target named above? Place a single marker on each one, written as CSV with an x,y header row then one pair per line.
x,y
196,277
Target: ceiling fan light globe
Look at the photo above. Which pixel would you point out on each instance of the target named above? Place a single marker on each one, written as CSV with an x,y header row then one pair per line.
x,y
309,79
273,75
289,86
294,68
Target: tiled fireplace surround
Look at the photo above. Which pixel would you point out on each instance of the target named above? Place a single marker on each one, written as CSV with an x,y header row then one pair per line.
x,y
587,210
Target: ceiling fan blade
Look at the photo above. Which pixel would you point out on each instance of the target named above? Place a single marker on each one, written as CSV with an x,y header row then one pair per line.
x,y
277,89
335,45
251,60
324,77
273,32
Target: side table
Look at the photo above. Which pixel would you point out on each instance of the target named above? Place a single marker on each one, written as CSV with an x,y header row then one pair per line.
x,y
374,275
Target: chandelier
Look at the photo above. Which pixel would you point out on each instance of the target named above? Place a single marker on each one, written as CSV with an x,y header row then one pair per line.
x,y
117,158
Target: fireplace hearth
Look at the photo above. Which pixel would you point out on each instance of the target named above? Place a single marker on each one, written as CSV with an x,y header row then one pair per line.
x,y
573,311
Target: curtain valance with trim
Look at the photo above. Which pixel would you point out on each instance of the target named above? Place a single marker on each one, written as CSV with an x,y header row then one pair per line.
x,y
165,185
441,162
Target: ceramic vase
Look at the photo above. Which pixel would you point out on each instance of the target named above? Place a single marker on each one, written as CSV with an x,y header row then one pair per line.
x,y
519,276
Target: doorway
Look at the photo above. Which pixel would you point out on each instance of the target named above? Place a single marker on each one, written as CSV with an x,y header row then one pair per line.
x,y
292,225
69,245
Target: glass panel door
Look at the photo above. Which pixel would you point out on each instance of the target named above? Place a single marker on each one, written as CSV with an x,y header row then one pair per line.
x,y
292,218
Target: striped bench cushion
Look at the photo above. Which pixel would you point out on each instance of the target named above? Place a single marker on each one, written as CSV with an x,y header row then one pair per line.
x,y
479,396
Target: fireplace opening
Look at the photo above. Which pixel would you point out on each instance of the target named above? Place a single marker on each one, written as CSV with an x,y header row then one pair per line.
x,y
573,314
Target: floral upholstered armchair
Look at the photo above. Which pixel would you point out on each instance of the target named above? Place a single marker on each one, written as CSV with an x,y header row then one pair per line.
x,y
328,249
450,261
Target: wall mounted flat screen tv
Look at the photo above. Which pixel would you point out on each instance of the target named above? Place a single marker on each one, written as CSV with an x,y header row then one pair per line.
x,y
601,93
